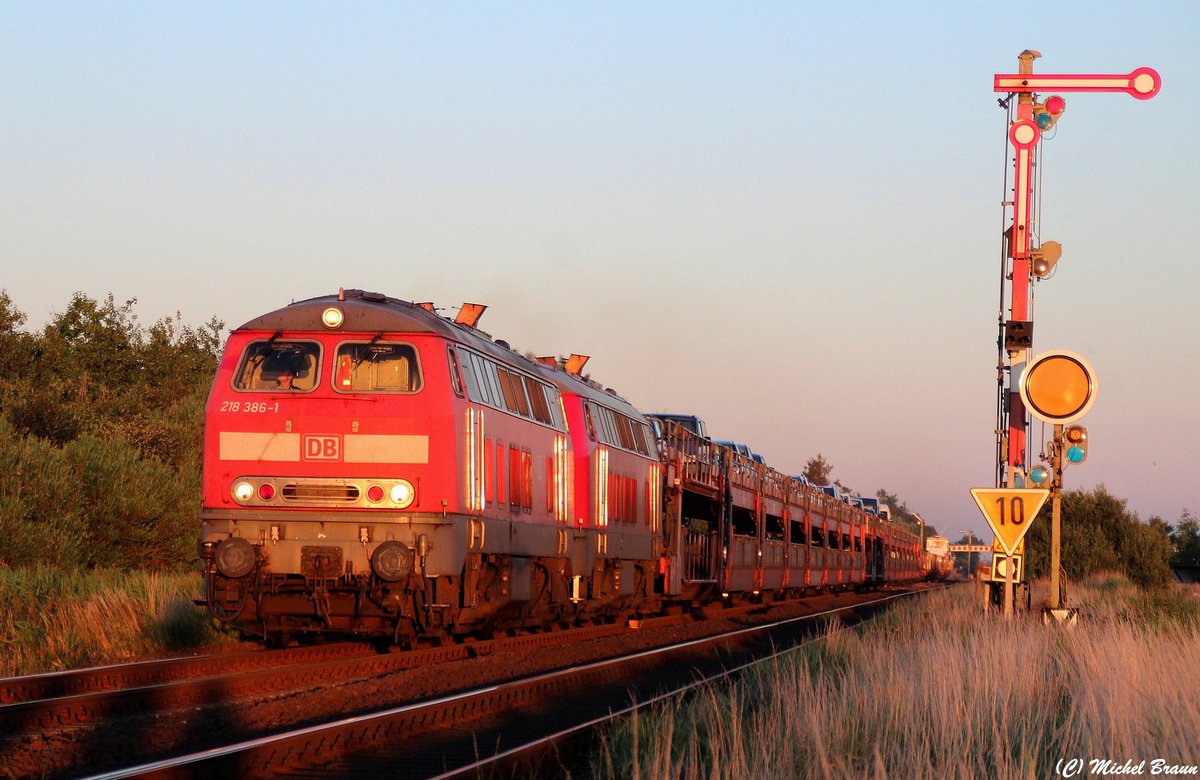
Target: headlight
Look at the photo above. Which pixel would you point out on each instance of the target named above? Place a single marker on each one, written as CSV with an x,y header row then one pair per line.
x,y
402,493
332,317
243,491
235,557
392,561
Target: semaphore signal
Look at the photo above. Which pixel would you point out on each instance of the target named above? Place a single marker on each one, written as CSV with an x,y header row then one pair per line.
x,y
1058,387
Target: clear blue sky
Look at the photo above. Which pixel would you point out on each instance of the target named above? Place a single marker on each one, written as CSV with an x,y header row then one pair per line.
x,y
784,217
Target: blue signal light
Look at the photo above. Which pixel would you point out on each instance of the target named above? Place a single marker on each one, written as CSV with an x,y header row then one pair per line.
x,y
1044,121
1076,454
1038,475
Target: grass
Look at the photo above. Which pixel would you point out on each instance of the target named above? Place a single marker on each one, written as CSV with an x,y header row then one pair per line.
x,y
934,689
52,620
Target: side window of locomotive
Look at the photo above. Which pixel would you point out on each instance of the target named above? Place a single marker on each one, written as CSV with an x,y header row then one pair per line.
x,y
278,366
605,426
537,402
376,367
624,431
514,392
589,422
477,384
510,391
645,439
455,381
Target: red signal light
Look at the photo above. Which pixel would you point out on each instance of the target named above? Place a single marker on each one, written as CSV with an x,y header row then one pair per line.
x,y
375,494
266,491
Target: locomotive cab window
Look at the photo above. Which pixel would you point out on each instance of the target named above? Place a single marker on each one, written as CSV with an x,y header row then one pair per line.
x,y
278,366
376,367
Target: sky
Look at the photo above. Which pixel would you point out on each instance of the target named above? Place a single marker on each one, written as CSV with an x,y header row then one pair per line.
x,y
782,217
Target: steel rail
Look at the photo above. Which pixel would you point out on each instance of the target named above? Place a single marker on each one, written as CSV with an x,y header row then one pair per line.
x,y
90,679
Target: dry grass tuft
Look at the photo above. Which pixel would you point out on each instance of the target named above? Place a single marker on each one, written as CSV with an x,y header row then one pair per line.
x,y
51,620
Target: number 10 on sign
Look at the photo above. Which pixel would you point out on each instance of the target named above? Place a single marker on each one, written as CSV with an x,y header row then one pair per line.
x,y
1010,511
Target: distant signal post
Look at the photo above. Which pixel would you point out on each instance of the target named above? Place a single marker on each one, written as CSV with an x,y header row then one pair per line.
x,y
1027,259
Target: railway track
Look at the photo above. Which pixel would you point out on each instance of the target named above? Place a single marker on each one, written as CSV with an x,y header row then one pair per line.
x,y
96,679
517,719
74,698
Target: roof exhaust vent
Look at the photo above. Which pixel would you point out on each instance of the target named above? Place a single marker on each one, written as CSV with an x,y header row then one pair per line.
x,y
470,313
575,364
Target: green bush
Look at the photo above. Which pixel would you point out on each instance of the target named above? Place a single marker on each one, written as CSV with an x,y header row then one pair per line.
x,y
1100,534
101,431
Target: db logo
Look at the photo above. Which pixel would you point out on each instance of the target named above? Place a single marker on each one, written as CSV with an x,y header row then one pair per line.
x,y
322,447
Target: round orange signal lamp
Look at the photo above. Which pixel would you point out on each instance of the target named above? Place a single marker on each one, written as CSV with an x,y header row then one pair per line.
x,y
1058,387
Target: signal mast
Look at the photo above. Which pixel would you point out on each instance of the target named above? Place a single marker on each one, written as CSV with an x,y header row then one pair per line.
x,y
1026,259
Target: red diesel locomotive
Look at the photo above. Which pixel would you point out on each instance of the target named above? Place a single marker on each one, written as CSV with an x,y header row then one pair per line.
x,y
373,468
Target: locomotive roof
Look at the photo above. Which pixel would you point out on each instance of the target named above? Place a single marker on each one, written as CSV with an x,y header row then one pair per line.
x,y
372,312
364,312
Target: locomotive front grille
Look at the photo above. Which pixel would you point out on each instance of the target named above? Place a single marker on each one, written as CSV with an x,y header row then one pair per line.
x,y
324,492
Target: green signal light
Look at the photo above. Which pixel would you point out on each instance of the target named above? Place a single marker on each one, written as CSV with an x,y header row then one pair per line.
x,y
1076,454
1039,475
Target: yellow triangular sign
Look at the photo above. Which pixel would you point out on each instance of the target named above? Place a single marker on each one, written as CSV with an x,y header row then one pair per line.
x,y
1010,511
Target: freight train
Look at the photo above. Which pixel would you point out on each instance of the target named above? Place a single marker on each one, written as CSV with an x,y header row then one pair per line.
x,y
374,468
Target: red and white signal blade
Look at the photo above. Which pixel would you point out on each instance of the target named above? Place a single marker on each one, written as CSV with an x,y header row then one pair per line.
x,y
1143,83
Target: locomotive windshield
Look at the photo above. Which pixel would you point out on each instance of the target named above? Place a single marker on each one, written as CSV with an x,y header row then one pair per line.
x,y
278,366
376,367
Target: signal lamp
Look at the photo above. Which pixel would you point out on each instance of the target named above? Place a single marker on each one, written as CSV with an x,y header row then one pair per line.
x,y
1077,441
1044,258
266,491
1046,114
1038,475
375,494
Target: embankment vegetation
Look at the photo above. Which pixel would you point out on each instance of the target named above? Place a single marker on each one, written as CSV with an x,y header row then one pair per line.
x,y
954,695
55,619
